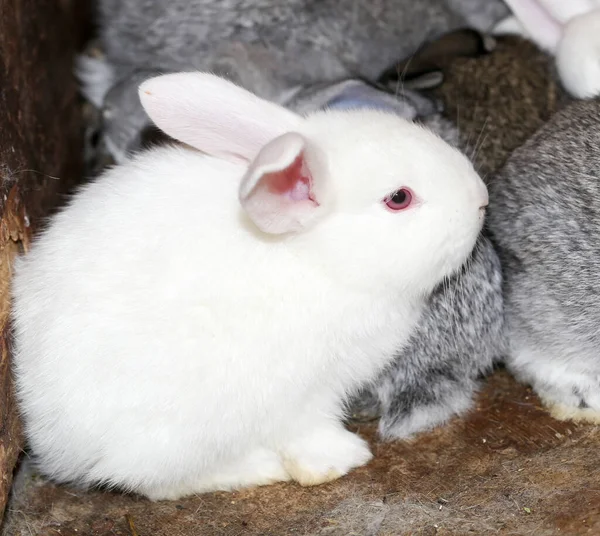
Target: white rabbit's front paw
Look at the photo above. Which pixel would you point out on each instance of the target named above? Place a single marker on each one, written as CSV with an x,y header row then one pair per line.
x,y
323,455
578,56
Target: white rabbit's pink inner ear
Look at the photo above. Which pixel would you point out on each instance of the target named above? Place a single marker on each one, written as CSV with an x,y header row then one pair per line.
x,y
293,182
277,190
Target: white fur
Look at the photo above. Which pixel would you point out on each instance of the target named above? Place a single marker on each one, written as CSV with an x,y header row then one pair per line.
x,y
568,29
536,22
165,345
510,26
578,56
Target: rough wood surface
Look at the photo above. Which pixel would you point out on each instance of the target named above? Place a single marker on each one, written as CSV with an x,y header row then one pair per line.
x,y
507,468
40,152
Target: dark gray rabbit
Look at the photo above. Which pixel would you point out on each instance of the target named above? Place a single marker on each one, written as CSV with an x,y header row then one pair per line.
x,y
272,48
545,218
347,93
291,43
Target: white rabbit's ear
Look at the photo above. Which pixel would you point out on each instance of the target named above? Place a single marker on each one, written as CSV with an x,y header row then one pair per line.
x,y
563,11
214,115
277,191
538,21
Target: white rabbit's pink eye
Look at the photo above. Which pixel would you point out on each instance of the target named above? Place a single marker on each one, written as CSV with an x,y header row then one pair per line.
x,y
399,200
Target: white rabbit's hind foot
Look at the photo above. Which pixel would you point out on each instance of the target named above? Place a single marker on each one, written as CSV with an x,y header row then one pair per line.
x,y
324,455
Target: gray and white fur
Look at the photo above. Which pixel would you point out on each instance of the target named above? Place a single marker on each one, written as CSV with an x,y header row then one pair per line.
x,y
545,218
458,339
507,92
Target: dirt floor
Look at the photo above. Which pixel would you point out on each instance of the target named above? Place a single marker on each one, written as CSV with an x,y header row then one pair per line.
x,y
508,468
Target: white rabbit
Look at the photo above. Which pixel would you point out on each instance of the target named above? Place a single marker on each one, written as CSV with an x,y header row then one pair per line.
x,y
570,29
194,322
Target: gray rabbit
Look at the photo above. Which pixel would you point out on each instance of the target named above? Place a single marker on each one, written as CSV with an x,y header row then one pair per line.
x,y
272,48
545,218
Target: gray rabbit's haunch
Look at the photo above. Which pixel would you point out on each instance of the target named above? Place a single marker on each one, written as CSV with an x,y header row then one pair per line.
x,y
545,218
457,340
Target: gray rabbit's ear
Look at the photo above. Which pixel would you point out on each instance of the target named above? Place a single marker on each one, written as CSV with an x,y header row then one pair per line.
x,y
355,94
425,81
361,95
424,69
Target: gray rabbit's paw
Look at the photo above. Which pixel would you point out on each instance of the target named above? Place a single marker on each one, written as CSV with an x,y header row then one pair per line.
x,y
405,423
563,412
571,398
364,407
569,389
576,400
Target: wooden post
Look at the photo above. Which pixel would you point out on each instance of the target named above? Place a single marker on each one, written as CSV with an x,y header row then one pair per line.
x,y
40,155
